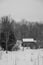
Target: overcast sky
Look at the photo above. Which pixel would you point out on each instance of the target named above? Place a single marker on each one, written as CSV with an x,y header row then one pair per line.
x,y
31,10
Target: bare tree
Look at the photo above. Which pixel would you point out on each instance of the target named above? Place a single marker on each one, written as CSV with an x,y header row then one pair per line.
x,y
7,30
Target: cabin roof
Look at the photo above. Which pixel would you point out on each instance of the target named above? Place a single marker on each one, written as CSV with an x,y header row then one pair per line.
x,y
28,40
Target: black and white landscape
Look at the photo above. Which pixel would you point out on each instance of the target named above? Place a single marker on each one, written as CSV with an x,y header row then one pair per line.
x,y
21,32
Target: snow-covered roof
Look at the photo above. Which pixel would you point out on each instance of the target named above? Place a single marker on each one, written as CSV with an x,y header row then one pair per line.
x,y
28,40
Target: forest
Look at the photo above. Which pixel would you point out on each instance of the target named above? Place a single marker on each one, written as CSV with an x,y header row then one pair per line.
x,y
10,31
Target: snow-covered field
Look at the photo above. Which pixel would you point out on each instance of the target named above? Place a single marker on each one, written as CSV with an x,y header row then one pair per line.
x,y
26,57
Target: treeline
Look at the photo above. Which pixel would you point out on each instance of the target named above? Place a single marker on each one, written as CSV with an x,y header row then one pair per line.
x,y
32,30
10,31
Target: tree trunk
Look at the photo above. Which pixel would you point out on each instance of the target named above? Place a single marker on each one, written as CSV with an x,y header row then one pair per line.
x,y
7,38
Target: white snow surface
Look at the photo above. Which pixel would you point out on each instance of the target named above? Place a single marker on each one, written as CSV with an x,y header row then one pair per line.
x,y
26,57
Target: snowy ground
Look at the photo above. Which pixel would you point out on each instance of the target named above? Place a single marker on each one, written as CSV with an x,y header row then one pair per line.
x,y
26,57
